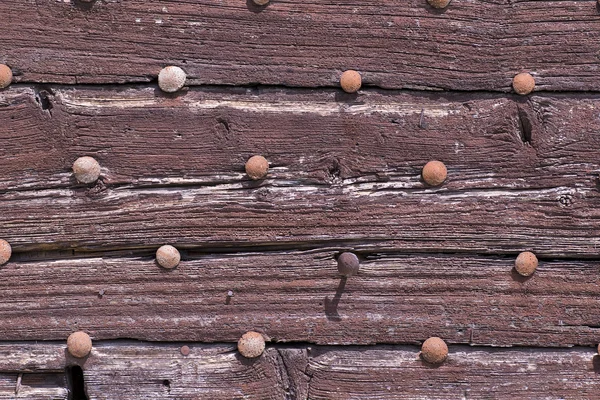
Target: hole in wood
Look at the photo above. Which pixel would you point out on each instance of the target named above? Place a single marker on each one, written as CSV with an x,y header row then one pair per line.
x,y
42,97
75,383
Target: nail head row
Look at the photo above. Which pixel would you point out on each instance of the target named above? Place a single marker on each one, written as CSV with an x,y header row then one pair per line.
x,y
252,344
87,170
526,264
172,79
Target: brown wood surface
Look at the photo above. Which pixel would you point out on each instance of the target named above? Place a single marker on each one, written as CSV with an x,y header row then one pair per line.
x,y
469,373
343,173
295,296
344,176
473,45
125,369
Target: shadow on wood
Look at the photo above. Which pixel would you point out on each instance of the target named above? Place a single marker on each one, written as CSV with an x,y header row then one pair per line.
x,y
332,305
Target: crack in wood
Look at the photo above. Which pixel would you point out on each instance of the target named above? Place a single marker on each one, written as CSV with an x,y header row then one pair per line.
x,y
285,376
525,125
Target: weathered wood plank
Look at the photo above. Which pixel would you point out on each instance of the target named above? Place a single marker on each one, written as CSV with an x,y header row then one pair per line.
x,y
146,371
309,136
397,373
473,45
341,173
298,296
135,370
364,217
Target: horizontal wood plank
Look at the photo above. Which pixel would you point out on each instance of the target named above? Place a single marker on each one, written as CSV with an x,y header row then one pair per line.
x,y
299,297
146,370
134,370
309,136
342,173
468,373
473,45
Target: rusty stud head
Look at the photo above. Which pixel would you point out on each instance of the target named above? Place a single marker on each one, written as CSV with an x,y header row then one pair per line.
x,y
251,344
6,76
168,256
438,3
526,263
86,169
171,79
79,344
350,81
523,83
348,264
434,173
261,2
5,251
185,350
257,167
434,350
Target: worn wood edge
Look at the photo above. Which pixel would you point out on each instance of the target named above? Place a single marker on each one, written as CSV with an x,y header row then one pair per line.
x,y
300,297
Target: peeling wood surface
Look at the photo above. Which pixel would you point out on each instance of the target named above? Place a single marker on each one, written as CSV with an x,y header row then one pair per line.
x,y
473,45
298,297
173,171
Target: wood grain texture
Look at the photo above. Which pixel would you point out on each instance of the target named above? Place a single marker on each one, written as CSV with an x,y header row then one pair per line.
x,y
37,386
135,370
473,45
33,371
469,373
142,371
342,173
299,297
